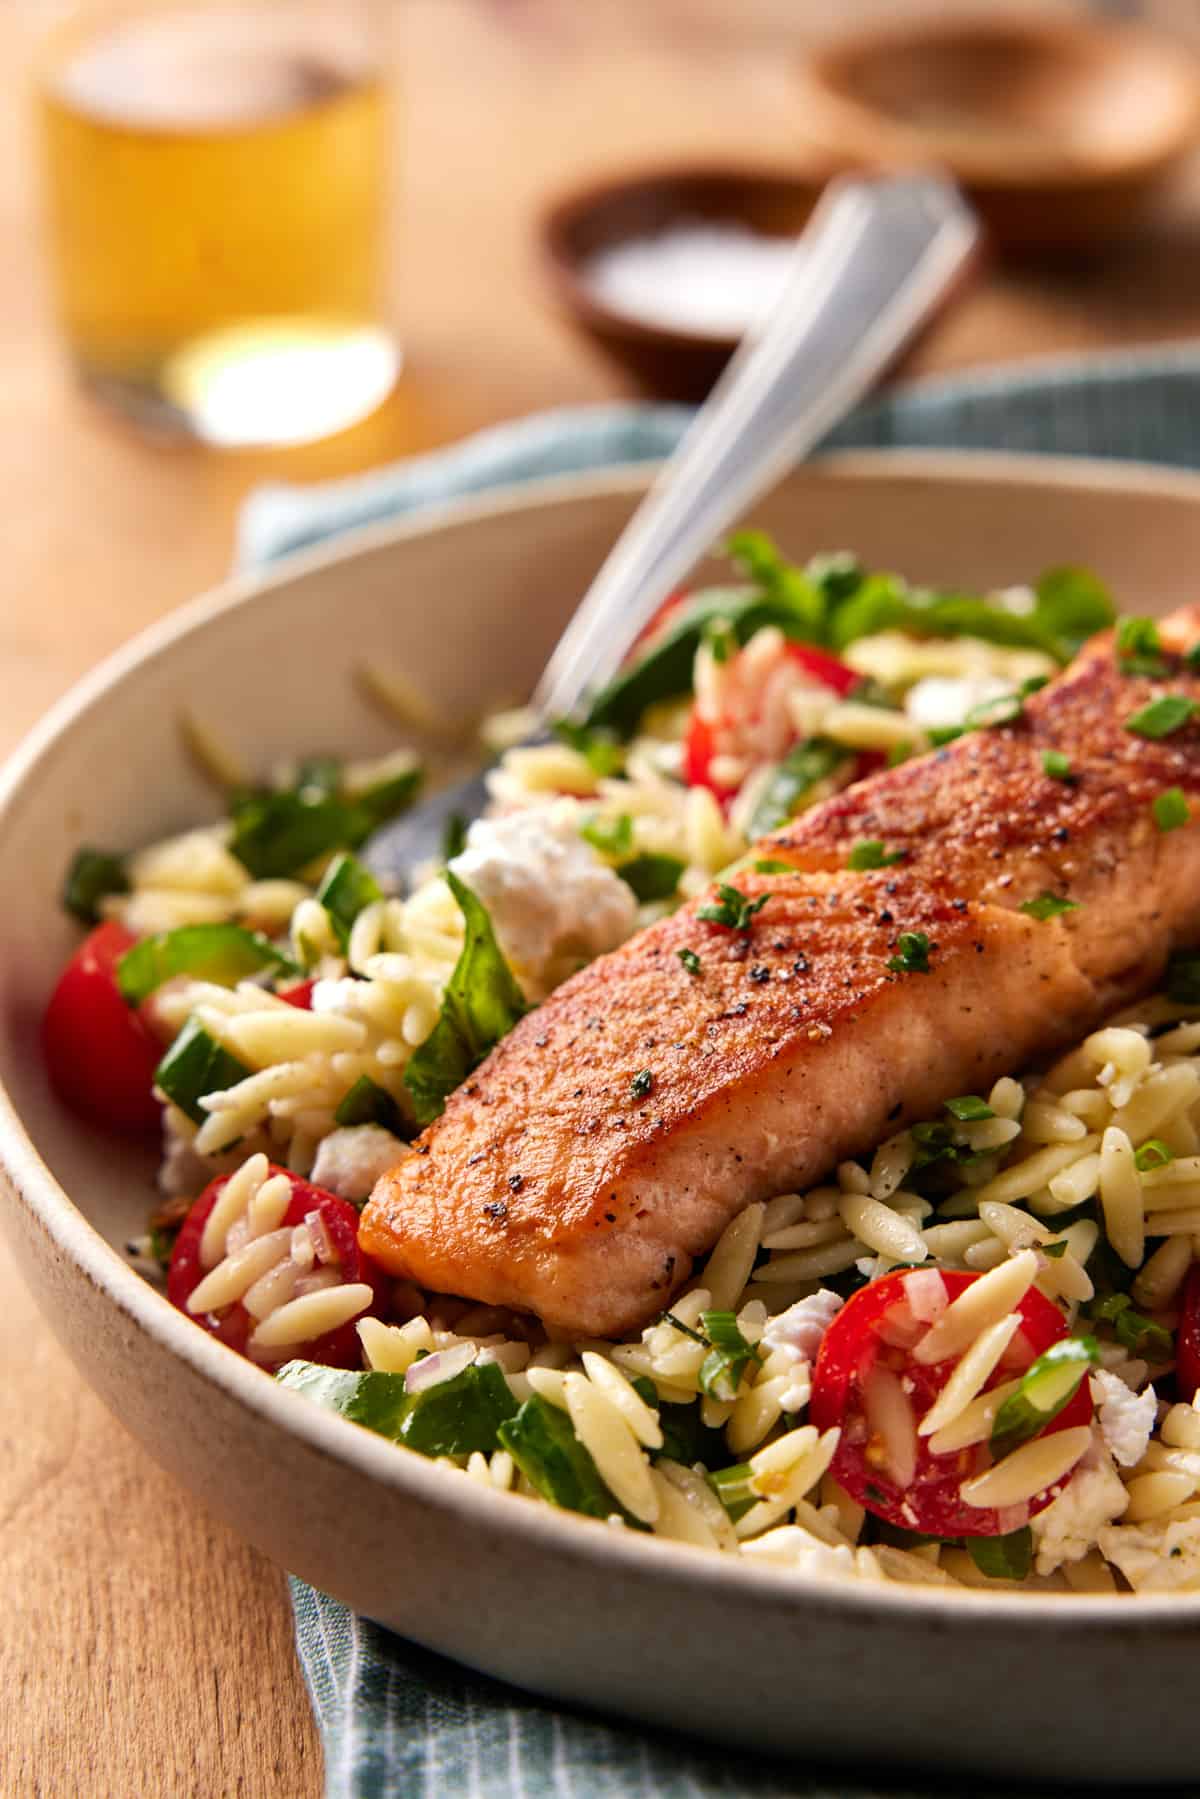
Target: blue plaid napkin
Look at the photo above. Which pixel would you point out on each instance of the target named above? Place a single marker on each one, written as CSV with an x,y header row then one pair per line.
x,y
395,1719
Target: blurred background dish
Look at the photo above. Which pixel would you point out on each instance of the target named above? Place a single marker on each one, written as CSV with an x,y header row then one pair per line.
x,y
1061,129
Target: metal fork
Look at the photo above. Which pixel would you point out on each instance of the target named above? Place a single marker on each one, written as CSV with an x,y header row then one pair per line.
x,y
876,259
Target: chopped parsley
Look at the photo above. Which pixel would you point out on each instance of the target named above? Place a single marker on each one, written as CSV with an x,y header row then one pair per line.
x,y
1139,648
1162,717
912,954
690,960
869,852
1057,766
732,908
769,866
969,1109
641,1083
1171,809
1154,1153
1047,905
599,747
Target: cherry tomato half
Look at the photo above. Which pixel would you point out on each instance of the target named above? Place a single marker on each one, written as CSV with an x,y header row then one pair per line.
x,y
875,1331
1187,1337
699,744
100,1054
824,668
299,995
233,1324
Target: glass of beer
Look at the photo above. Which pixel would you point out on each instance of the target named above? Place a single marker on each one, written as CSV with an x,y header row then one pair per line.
x,y
217,177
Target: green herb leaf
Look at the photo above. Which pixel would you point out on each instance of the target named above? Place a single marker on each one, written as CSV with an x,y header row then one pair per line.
x,y
730,1356
92,876
276,835
195,1065
1182,980
543,1444
1057,766
690,960
642,1084
732,908
1140,1336
651,876
368,1103
686,1438
1055,1250
869,852
912,954
900,752
789,786
1047,905
1003,1558
1046,1387
596,744
347,889
1072,604
685,1329
969,1108
1004,709
612,837
223,953
1170,809
732,1488
374,806
454,837
1162,717
1139,648
769,865
482,1002
453,1417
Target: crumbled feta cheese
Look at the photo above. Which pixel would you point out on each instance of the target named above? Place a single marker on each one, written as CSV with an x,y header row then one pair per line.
x,y
1156,1557
548,894
939,702
804,1324
1070,1526
1126,1419
351,1160
800,1550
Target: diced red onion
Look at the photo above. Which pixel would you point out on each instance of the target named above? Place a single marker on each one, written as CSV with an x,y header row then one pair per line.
x,y
442,1365
925,1291
323,1244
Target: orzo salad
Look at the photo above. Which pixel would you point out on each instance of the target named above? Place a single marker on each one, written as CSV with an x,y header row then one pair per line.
x,y
969,1358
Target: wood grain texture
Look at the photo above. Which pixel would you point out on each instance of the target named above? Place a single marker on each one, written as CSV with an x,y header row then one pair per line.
x,y
144,1650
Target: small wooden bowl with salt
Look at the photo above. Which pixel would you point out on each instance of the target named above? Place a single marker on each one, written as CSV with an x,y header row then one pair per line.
x,y
668,270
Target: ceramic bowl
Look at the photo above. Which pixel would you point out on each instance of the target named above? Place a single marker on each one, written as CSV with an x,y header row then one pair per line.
x,y
1061,129
1090,1688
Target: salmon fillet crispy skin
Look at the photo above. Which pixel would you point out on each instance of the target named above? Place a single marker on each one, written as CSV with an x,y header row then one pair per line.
x,y
551,1186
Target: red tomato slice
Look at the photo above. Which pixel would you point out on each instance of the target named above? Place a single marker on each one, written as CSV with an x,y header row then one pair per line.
x,y
233,1324
300,995
1187,1337
699,748
824,668
99,1053
854,1347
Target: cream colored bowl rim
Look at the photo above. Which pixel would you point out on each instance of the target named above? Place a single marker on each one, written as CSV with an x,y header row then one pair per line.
x,y
349,1445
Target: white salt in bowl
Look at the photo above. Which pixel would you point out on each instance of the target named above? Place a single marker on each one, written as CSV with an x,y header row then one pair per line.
x,y
1068,1687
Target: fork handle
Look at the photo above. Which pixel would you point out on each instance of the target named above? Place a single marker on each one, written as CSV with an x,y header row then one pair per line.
x,y
873,264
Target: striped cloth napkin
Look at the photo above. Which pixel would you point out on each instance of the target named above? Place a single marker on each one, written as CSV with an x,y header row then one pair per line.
x,y
395,1719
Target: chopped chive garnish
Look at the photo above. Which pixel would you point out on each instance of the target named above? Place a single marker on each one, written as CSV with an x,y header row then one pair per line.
x,y
1005,709
869,852
1140,1336
1055,1250
685,1329
1162,717
612,837
969,1109
92,876
690,960
1170,809
1154,1153
732,908
1139,647
732,1488
1047,905
1057,766
912,954
641,1084
1050,1383
723,1367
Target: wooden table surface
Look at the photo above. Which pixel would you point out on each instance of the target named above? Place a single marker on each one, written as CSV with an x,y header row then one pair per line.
x,y
144,1650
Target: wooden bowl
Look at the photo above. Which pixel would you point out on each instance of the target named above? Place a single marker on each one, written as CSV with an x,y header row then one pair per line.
x,y
674,361
1060,130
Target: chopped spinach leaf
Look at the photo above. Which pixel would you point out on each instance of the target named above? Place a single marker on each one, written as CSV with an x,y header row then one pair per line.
x,y
92,876
195,1065
222,953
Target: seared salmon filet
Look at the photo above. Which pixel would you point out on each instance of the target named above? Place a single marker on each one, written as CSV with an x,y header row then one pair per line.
x,y
607,1141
